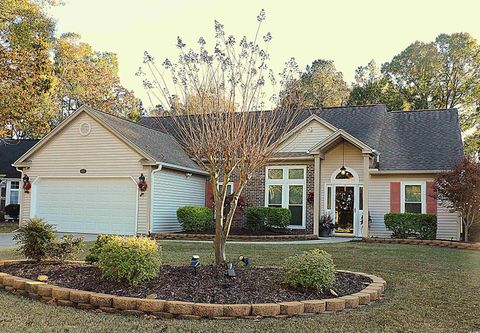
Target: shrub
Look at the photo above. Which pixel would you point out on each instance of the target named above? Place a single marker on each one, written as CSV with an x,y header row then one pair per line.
x,y
406,225
12,210
262,218
97,247
67,248
35,239
311,269
129,259
194,218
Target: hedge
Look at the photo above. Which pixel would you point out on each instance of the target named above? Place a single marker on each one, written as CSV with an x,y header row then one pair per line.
x,y
262,218
195,218
412,225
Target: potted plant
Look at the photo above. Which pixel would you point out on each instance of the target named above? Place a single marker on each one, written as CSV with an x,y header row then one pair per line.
x,y
326,225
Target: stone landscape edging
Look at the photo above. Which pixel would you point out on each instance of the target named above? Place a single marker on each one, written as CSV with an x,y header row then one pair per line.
x,y
154,308
186,236
430,242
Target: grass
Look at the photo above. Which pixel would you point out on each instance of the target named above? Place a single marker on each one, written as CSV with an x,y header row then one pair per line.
x,y
429,289
7,227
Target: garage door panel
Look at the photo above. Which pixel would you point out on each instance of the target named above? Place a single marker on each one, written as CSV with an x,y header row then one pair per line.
x,y
87,205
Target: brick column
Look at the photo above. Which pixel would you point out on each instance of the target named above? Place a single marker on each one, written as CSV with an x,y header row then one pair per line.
x,y
316,195
366,180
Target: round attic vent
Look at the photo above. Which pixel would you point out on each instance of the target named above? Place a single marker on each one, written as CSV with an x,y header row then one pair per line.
x,y
85,128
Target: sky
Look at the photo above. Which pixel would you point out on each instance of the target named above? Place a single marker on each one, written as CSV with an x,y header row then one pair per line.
x,y
350,32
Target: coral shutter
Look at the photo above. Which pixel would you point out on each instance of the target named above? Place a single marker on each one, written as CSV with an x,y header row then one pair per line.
x,y
208,194
431,199
395,197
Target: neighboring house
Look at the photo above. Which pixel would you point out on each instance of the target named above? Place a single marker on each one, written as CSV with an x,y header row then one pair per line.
x,y
334,161
10,182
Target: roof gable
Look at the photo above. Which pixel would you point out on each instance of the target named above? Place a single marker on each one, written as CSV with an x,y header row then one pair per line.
x,y
153,145
306,134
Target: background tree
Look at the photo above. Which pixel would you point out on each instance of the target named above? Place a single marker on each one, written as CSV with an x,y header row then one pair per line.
x,y
26,75
36,92
321,85
460,189
371,87
89,77
441,74
228,142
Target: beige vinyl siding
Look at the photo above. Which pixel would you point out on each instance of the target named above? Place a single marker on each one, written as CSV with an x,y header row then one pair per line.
x,y
306,138
101,153
334,160
379,205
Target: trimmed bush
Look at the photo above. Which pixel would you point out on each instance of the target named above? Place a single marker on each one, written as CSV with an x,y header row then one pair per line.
x,y
12,210
311,270
129,259
35,239
259,219
195,218
408,225
65,249
97,247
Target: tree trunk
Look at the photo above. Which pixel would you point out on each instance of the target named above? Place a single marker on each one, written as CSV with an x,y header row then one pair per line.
x,y
219,241
219,244
467,227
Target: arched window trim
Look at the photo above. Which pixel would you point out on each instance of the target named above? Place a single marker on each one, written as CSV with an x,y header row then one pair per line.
x,y
354,180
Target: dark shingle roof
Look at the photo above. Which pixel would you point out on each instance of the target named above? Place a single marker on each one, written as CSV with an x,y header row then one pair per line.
x,y
413,140
10,151
421,140
159,145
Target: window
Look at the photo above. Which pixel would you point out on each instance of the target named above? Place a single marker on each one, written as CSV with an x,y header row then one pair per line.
x,y
229,187
360,198
285,187
329,198
347,175
413,197
13,192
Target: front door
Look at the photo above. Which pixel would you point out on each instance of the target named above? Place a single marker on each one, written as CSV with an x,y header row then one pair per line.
x,y
344,209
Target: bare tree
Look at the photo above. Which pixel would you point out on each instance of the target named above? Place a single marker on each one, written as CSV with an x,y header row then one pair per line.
x,y
215,101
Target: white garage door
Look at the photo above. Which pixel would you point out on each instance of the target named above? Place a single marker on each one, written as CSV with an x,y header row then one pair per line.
x,y
87,205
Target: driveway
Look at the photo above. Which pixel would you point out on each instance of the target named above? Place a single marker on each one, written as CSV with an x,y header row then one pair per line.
x,y
6,239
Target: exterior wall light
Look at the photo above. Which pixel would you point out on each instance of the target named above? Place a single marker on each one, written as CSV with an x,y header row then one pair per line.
x,y
188,175
26,184
142,184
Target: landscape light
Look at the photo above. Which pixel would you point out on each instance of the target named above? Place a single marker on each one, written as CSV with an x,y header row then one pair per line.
x,y
230,270
195,263
247,261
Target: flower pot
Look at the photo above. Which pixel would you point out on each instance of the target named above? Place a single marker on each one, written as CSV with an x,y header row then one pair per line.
x,y
325,233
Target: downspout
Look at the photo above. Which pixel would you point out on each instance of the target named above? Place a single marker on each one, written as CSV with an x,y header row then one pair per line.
x,y
152,186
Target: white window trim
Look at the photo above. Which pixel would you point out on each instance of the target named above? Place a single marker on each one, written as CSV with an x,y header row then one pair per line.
x,y
9,191
229,183
285,182
423,185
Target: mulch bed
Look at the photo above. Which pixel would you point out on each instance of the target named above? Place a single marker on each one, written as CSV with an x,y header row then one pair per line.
x,y
210,285
246,232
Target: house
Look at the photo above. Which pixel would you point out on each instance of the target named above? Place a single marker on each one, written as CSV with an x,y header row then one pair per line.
x,y
10,151
335,161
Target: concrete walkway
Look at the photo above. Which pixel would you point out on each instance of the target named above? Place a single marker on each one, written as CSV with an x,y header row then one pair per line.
x,y
323,240
6,239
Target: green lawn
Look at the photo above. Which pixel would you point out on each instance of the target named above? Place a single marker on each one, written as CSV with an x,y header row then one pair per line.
x,y
7,227
429,289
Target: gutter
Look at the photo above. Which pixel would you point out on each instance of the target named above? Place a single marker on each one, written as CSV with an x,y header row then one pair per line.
x,y
180,168
390,172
